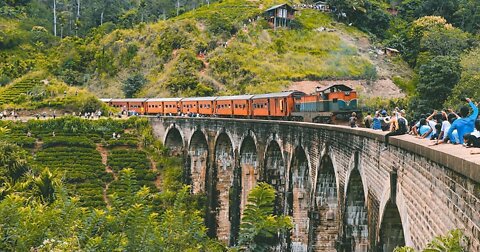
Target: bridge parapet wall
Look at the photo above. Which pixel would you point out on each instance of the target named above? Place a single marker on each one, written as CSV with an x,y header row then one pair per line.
x,y
435,189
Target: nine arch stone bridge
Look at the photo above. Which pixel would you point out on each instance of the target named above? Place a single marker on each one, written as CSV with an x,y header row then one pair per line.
x,y
342,191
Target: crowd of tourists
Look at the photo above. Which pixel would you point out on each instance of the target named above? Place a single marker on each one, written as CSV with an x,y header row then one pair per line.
x,y
440,126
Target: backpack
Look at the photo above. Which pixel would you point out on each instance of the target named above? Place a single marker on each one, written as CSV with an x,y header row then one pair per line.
x,y
402,125
353,122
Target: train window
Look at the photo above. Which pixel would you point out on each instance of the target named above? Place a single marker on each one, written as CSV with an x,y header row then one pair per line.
x,y
347,93
229,105
335,100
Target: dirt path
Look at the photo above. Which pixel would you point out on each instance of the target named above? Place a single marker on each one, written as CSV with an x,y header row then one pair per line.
x,y
158,180
104,154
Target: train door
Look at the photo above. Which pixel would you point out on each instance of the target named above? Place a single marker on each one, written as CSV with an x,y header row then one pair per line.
x,y
281,106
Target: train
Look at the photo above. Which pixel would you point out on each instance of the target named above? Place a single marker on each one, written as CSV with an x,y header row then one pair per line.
x,y
325,105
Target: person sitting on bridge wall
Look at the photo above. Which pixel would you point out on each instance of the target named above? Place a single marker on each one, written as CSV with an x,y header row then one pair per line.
x,y
473,139
398,126
466,123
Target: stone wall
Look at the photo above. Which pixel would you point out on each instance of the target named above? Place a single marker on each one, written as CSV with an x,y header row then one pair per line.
x,y
334,181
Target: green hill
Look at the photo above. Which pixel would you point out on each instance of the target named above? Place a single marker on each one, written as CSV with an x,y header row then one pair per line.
x,y
224,48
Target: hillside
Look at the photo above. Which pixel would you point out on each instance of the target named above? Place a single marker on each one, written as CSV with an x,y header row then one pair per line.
x,y
201,48
224,48
228,48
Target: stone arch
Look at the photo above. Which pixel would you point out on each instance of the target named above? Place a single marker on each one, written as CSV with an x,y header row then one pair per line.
x,y
402,210
323,228
198,152
274,172
298,200
355,221
224,165
174,140
391,232
248,166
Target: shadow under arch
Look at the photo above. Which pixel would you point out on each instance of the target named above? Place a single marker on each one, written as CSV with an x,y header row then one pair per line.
x,y
274,173
355,220
248,168
174,141
298,201
324,208
198,152
391,229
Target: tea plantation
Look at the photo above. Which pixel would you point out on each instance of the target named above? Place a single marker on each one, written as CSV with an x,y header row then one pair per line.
x,y
12,92
70,148
77,160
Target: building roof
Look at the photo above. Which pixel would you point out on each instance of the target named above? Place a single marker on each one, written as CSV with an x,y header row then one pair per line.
x,y
189,99
129,100
392,49
164,99
342,87
280,5
279,95
234,97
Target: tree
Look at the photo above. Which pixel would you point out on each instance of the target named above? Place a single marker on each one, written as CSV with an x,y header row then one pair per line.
x,y
468,84
437,78
467,17
440,41
133,84
13,162
454,241
260,228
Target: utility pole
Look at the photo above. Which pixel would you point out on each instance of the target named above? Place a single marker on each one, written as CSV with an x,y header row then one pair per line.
x,y
78,9
178,6
55,18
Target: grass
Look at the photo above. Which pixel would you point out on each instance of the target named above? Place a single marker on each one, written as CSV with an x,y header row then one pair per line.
x,y
275,58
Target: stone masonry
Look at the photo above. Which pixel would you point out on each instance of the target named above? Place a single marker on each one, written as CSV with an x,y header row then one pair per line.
x,y
338,185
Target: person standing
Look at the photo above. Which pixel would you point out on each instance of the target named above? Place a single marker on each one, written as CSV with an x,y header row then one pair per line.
x,y
353,120
377,121
368,120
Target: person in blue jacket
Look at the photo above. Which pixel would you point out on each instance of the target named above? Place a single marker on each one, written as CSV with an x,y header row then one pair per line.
x,y
465,124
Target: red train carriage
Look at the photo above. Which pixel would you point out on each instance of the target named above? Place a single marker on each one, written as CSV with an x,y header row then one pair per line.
x,y
206,105
136,105
155,106
192,105
275,104
238,105
170,105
